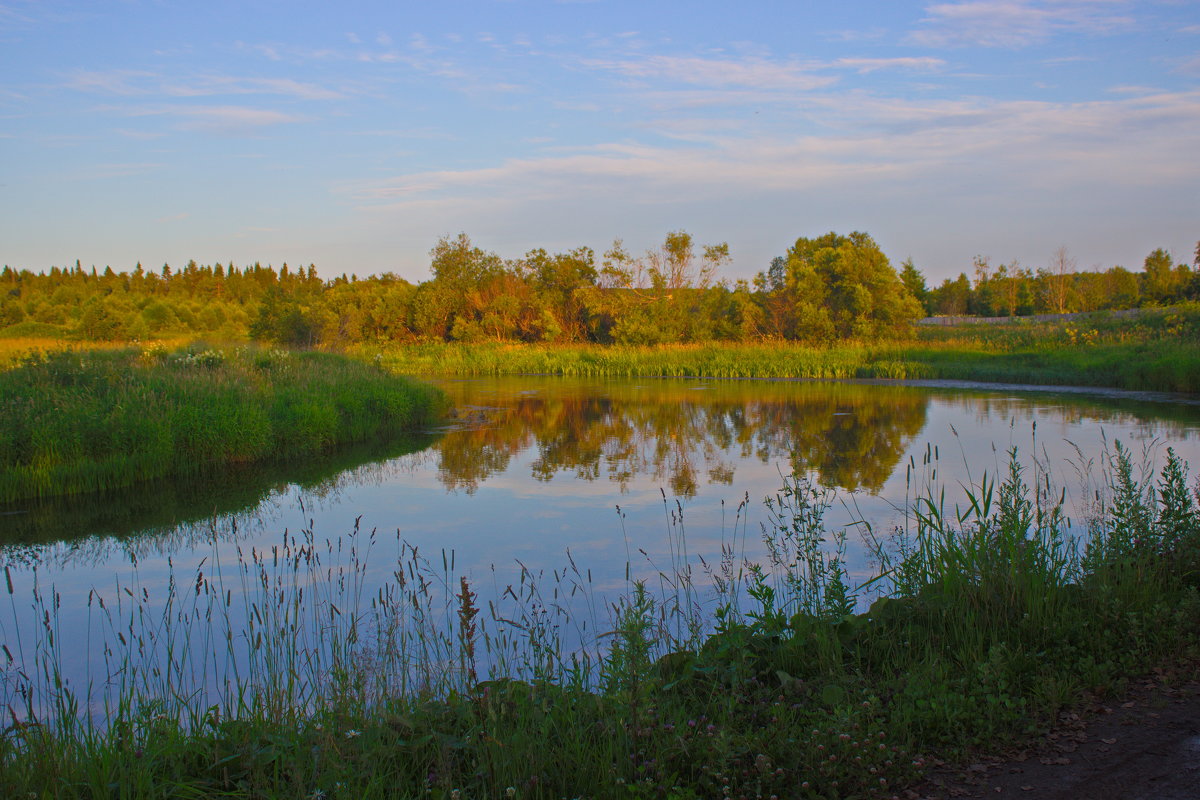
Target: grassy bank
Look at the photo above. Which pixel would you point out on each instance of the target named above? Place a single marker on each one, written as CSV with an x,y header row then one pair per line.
x,y
724,679
78,422
14,351
1157,351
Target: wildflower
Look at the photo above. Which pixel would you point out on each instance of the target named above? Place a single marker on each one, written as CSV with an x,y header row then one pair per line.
x,y
352,733
317,794
510,791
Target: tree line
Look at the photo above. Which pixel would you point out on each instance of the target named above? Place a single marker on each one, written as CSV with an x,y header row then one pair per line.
x,y
827,288
1010,290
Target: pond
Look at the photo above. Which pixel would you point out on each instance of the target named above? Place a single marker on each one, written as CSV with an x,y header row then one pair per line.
x,y
547,494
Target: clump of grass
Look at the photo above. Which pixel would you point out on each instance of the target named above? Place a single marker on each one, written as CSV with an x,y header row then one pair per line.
x,y
286,674
14,351
79,422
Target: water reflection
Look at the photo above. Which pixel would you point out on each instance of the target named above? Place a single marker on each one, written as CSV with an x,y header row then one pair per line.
x,y
524,482
161,517
680,434
525,432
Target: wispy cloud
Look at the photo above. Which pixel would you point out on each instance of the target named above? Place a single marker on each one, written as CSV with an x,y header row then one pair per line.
x,y
1130,141
279,51
576,106
715,72
133,83
214,119
229,119
1015,23
10,17
1054,62
106,171
867,35
173,217
142,136
867,65
116,81
1190,66
1125,89
286,87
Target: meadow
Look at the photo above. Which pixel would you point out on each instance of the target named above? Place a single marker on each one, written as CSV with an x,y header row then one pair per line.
x,y
722,678
82,421
1158,350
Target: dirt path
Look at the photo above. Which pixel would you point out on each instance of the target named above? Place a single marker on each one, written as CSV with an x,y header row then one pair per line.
x,y
1144,746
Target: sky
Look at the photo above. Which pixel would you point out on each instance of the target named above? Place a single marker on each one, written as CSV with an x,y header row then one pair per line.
x,y
354,135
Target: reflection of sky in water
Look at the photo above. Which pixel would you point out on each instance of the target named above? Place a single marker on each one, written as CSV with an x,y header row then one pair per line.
x,y
527,504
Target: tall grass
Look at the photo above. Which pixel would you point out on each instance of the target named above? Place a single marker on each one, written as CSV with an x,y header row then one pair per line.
x,y
286,674
14,351
78,422
1158,351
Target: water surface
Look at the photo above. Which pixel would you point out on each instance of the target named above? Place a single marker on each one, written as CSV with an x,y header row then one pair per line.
x,y
608,479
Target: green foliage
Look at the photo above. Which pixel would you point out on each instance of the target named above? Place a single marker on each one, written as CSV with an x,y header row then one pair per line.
x,y
625,669
88,422
1059,288
826,290
839,287
1177,516
812,581
283,322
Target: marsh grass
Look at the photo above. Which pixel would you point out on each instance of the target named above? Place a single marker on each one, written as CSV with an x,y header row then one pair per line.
x,y
79,422
1158,350
16,350
295,671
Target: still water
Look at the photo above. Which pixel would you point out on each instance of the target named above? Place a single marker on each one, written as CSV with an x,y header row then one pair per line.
x,y
609,479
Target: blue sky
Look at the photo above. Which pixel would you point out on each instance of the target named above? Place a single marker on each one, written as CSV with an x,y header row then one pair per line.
x,y
353,135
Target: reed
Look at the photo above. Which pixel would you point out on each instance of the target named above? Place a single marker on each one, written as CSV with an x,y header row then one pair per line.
x,y
91,421
1157,351
283,672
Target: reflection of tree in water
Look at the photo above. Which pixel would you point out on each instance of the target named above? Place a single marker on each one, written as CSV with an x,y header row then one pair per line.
x,y
1173,421
852,443
681,434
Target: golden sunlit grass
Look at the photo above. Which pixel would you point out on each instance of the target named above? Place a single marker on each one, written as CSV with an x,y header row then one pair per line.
x,y
13,351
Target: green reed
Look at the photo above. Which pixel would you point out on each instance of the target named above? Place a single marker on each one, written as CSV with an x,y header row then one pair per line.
x,y
78,422
1158,351
288,672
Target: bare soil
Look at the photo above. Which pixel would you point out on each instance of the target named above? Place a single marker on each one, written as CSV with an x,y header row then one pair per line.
x,y
1144,745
